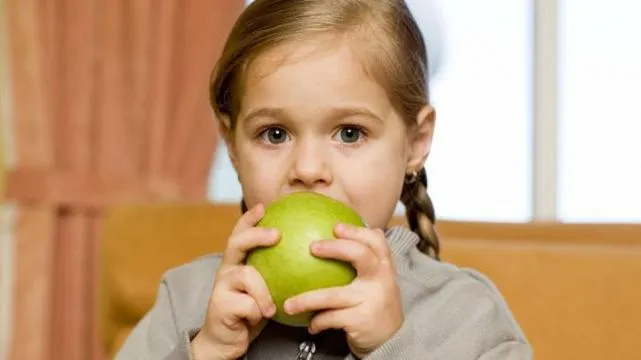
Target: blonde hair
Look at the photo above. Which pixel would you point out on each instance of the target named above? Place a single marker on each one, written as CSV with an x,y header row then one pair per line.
x,y
395,55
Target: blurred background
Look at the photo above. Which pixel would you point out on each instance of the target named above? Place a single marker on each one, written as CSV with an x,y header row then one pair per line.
x,y
536,158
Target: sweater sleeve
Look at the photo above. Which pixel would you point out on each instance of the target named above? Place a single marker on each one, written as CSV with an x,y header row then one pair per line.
x,y
156,336
463,320
408,344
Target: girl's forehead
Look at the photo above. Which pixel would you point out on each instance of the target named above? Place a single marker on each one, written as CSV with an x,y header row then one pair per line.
x,y
310,70
318,51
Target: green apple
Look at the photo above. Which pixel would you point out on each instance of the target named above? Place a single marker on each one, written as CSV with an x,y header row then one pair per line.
x,y
289,268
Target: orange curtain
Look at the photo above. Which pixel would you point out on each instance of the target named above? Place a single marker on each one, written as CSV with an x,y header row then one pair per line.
x,y
109,104
3,88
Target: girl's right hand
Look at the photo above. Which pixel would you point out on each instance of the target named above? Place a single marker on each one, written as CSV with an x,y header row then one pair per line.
x,y
240,302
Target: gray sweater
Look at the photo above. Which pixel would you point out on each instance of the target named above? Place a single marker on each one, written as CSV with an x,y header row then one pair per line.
x,y
450,313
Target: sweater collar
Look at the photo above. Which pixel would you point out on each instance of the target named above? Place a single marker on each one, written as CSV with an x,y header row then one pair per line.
x,y
401,240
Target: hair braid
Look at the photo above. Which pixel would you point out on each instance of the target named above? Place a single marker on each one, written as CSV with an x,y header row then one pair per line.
x,y
420,213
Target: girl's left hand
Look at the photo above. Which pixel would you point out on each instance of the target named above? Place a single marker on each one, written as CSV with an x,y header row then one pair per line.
x,y
369,309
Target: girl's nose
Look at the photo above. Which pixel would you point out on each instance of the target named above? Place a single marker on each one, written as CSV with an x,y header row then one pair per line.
x,y
310,166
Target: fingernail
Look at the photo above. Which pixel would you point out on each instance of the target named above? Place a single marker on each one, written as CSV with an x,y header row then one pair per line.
x,y
273,234
343,227
288,307
271,311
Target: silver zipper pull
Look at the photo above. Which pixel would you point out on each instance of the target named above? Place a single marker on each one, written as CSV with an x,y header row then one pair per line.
x,y
306,350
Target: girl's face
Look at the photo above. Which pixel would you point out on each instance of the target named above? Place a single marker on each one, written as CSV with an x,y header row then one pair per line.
x,y
311,120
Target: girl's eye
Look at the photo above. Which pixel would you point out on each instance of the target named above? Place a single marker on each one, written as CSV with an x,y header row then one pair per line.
x,y
274,136
350,134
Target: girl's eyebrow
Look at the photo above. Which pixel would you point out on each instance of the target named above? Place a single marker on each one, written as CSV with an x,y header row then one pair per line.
x,y
333,113
275,113
346,112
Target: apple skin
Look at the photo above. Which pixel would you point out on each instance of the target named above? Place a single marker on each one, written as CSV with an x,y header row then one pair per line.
x,y
288,267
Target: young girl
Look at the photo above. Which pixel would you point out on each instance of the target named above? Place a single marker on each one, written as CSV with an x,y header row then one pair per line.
x,y
329,96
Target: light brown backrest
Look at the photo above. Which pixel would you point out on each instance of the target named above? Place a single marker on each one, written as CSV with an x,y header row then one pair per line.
x,y
139,243
573,301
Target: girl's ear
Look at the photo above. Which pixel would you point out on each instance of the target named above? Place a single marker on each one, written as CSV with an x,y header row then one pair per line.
x,y
421,138
226,133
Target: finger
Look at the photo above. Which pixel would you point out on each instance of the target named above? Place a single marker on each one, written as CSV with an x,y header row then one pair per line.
x,y
358,254
240,244
322,299
249,219
333,319
248,280
374,238
241,310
